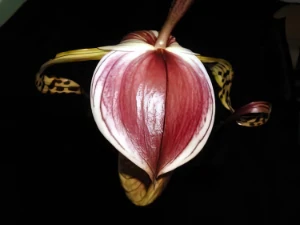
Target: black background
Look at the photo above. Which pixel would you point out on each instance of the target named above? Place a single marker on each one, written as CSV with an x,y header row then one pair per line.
x,y
67,171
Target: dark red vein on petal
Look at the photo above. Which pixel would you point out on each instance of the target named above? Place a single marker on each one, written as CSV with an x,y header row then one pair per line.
x,y
187,105
162,55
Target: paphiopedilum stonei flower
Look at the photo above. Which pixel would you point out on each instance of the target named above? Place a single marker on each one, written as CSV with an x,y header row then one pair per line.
x,y
155,105
154,102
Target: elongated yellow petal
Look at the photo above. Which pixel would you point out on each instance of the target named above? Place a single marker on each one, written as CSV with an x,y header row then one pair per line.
x,y
85,53
58,85
52,85
223,74
251,115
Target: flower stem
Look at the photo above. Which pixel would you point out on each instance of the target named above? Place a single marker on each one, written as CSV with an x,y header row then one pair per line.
x,y
177,10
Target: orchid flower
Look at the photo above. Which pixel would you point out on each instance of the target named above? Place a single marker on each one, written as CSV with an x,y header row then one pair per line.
x,y
153,100
155,105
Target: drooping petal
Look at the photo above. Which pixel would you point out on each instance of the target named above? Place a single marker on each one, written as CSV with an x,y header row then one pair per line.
x,y
253,114
52,84
250,115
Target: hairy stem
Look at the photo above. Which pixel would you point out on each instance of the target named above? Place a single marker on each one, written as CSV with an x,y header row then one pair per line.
x,y
177,10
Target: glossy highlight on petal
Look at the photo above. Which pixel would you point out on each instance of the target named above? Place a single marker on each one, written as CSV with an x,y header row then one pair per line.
x,y
155,106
